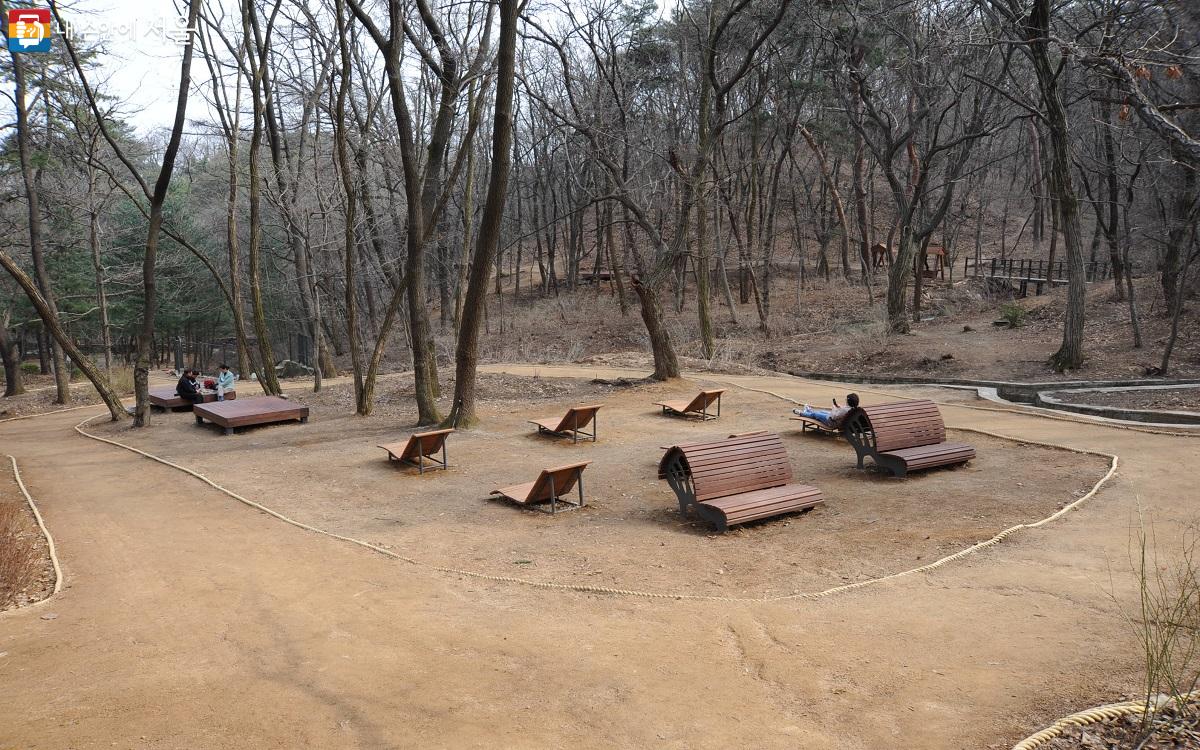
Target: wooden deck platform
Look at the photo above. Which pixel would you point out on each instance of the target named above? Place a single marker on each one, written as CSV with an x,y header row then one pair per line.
x,y
250,411
165,397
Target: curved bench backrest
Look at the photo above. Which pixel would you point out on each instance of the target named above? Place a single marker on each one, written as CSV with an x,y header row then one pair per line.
x,y
904,424
730,467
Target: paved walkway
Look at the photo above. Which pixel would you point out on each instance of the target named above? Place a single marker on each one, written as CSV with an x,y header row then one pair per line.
x,y
191,621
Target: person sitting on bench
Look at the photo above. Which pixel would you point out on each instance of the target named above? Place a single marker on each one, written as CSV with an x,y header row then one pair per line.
x,y
188,389
224,381
831,418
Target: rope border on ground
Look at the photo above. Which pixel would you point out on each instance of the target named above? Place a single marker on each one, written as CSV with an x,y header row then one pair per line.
x,y
1107,712
590,589
37,515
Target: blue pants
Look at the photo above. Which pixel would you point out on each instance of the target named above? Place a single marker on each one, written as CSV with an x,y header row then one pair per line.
x,y
821,415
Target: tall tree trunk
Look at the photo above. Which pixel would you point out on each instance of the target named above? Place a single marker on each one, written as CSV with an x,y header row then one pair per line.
x,y
10,354
462,413
1037,32
268,379
1111,226
62,375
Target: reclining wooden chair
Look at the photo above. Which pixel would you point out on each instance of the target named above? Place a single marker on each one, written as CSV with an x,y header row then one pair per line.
x,y
808,423
577,418
697,407
419,447
551,486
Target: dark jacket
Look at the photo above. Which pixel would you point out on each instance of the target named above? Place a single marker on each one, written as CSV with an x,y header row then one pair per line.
x,y
187,387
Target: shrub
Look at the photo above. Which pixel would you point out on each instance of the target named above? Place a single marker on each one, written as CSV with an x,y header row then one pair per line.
x,y
18,553
30,368
1013,314
121,378
1167,622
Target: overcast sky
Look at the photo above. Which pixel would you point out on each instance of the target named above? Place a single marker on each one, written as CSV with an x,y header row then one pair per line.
x,y
142,66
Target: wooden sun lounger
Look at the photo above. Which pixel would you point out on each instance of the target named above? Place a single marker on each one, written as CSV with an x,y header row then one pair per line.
x,y
696,407
165,397
577,418
807,423
550,486
419,447
250,411
743,478
903,436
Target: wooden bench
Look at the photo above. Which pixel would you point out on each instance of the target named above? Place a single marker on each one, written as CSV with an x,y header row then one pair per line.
x,y
551,486
696,407
419,447
807,424
165,397
903,436
250,411
577,418
736,480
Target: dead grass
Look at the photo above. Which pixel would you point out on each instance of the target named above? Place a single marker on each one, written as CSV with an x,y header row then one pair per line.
x,y
20,555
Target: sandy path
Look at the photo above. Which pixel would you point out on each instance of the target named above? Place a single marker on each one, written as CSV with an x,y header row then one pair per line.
x,y
191,621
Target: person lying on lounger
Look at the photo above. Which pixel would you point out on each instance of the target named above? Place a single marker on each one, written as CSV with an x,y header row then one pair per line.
x,y
831,418
188,389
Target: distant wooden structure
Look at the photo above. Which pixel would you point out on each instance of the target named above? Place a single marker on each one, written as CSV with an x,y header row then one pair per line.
x,y
1025,273
936,254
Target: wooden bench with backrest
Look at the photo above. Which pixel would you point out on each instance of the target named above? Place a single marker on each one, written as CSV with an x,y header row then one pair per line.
x,y
577,418
903,436
736,480
696,407
551,486
420,450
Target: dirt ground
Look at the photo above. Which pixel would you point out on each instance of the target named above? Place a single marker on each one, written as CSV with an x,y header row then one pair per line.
x,y
829,327
190,620
630,535
1158,399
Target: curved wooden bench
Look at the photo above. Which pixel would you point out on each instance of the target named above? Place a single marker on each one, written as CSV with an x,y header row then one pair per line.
x,y
736,480
903,436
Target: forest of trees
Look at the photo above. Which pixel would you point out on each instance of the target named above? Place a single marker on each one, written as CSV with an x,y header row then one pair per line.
x,y
364,173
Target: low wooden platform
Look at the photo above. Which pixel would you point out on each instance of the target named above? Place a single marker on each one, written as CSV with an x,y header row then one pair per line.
x,y
250,411
165,397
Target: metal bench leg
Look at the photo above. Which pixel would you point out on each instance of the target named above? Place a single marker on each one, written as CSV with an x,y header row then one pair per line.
x,y
420,462
553,497
445,461
580,480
